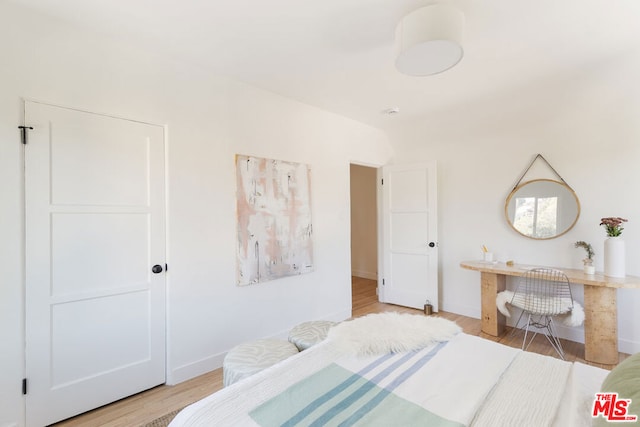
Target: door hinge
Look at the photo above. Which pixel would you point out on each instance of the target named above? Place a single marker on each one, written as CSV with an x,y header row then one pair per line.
x,y
24,386
23,131
166,267
382,181
382,282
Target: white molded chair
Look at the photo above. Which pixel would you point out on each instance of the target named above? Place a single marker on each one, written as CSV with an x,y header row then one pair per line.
x,y
541,294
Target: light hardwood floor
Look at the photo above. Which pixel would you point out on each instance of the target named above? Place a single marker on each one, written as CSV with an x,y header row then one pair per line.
x,y
147,406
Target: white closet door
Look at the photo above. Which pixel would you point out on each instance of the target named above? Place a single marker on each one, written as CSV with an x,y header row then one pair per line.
x,y
95,227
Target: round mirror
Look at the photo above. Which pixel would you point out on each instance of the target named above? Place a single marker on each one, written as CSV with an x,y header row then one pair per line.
x,y
542,209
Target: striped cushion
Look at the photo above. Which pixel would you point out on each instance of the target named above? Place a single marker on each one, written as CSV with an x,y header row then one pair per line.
x,y
307,334
247,359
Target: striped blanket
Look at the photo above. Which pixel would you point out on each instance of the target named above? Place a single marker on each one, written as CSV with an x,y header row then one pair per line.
x,y
467,381
336,395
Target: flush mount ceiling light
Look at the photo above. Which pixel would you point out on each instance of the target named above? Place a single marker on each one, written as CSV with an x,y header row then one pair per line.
x,y
429,40
391,111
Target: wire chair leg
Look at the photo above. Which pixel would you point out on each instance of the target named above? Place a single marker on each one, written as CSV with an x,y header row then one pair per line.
x,y
516,326
525,344
553,339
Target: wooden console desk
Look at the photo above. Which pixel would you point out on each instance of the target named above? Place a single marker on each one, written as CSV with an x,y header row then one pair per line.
x,y
601,313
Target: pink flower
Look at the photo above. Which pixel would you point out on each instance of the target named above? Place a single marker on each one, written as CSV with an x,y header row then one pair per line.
x,y
613,225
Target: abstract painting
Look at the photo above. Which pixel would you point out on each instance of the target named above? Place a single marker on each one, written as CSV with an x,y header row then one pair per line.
x,y
274,219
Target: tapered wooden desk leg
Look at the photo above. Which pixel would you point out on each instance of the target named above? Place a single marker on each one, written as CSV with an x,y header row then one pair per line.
x,y
600,325
493,322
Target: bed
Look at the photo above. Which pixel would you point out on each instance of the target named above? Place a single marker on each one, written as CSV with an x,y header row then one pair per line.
x,y
394,369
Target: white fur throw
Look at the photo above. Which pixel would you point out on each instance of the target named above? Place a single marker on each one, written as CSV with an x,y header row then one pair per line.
x,y
570,317
391,332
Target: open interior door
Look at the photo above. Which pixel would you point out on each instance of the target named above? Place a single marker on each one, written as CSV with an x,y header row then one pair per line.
x,y
409,235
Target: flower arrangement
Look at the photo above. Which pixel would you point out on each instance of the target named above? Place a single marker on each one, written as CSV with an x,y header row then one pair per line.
x,y
613,225
587,247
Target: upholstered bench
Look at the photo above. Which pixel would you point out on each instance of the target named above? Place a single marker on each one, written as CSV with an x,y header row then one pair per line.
x,y
308,334
249,358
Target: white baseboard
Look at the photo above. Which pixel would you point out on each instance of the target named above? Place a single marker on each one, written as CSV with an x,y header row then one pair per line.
x,y
192,370
338,316
577,335
572,334
210,363
464,310
629,347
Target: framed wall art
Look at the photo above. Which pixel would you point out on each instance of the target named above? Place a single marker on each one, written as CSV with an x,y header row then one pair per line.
x,y
274,219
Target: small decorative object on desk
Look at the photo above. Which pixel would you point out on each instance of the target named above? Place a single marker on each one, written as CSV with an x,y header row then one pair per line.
x,y
589,268
614,247
486,255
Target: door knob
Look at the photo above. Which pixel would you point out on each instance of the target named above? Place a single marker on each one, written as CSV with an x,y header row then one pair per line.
x,y
432,245
157,268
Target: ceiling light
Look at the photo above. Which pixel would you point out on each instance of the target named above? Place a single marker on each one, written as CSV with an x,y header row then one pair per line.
x,y
429,40
391,111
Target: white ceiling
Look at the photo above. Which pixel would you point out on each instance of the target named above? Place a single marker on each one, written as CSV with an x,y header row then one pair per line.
x,y
338,54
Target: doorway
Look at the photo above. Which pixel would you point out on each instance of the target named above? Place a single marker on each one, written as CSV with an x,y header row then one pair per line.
x,y
394,232
364,231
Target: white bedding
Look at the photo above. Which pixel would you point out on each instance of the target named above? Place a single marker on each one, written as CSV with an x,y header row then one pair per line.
x,y
467,381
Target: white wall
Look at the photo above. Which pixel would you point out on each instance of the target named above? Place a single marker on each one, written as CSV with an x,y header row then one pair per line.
x,y
364,222
209,120
585,123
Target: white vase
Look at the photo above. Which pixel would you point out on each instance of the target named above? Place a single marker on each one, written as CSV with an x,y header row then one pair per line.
x,y
589,269
614,257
